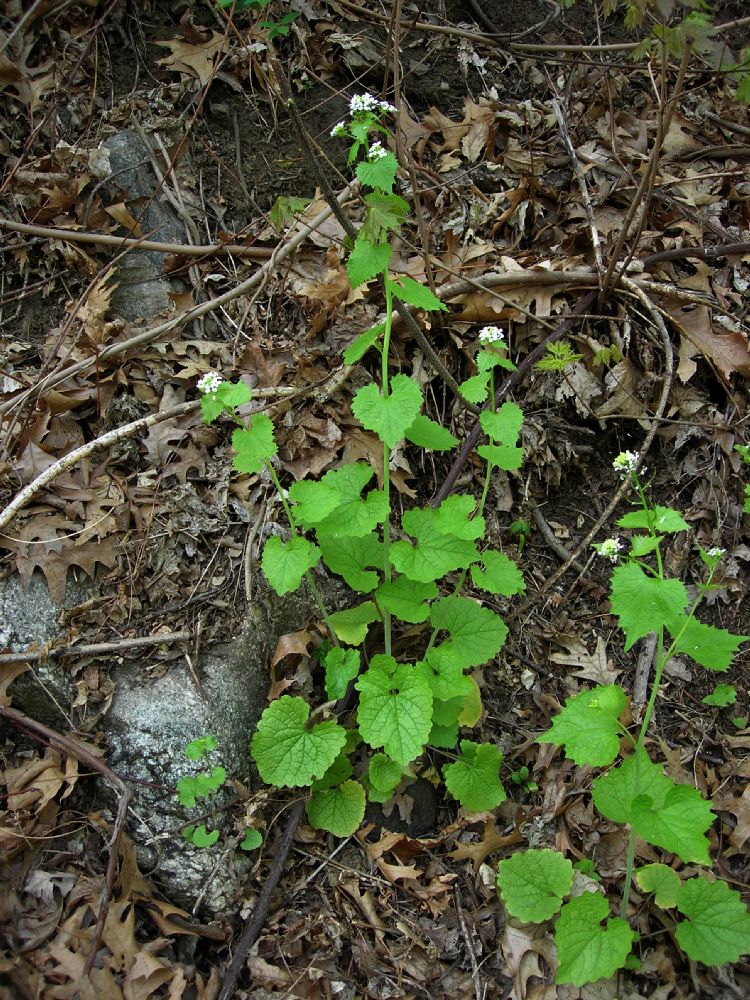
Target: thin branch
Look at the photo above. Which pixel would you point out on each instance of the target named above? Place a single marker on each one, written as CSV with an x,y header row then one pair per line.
x,y
93,649
582,186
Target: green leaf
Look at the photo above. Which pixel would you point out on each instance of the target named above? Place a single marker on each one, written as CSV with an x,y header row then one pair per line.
x,y
350,559
253,839
285,208
444,736
559,355
200,786
228,396
721,696
380,173
384,212
487,360
641,545
661,519
588,726
446,674
534,883
367,260
339,810
287,752
359,347
499,576
351,625
414,293
586,951
389,416
476,633
395,708
453,517
433,554
502,456
200,837
200,747
406,598
334,506
285,563
342,666
674,817
338,772
504,425
743,89
662,880
474,779
384,773
475,389
644,603
709,646
718,926
255,446
425,433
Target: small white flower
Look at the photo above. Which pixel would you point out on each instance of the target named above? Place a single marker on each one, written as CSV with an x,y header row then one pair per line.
x,y
610,549
386,108
715,553
338,130
362,103
626,463
490,334
377,152
210,382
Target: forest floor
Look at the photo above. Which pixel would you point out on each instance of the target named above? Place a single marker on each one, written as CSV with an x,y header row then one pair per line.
x,y
498,199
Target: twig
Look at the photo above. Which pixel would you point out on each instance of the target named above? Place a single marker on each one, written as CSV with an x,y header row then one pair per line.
x,y
582,187
128,243
73,748
643,669
562,553
93,649
476,981
255,922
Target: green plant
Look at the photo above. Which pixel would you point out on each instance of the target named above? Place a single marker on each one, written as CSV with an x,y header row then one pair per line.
x,y
591,943
345,521
744,451
275,29
521,778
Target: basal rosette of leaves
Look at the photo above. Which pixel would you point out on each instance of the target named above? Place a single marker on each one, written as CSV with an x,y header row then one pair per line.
x,y
712,922
408,569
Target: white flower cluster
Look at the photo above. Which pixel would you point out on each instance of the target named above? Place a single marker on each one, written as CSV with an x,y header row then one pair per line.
x,y
610,549
210,382
339,130
490,334
715,553
626,463
365,103
377,151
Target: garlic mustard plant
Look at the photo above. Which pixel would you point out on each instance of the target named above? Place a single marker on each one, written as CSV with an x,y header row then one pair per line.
x,y
410,571
712,923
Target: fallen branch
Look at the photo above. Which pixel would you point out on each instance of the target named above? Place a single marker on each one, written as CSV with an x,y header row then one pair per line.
x,y
93,649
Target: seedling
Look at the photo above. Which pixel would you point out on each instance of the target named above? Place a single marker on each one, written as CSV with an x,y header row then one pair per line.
x,y
521,778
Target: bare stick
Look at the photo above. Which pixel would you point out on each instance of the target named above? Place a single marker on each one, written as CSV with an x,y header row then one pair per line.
x,y
583,188
94,649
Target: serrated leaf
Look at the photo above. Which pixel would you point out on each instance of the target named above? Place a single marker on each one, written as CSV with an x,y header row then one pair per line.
x,y
342,666
255,446
379,173
588,726
711,647
229,395
367,260
487,360
351,625
718,926
285,563
499,576
385,211
425,433
534,883
443,736
474,779
200,747
406,598
287,753
253,839
661,519
339,810
384,773
453,517
502,456
389,416
662,812
644,603
433,554
395,708
662,880
446,674
352,558
359,347
476,633
504,425
586,951
334,506
721,696
642,545
414,293
475,389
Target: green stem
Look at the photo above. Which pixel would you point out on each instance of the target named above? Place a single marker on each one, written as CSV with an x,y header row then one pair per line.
x,y
317,596
386,457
